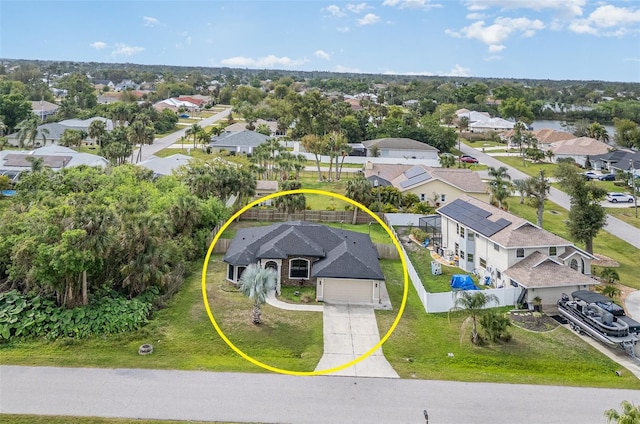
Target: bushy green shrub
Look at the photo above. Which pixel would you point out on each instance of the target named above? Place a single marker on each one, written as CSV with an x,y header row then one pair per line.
x,y
33,316
419,234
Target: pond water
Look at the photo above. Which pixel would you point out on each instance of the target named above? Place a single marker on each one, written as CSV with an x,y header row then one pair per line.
x,y
558,125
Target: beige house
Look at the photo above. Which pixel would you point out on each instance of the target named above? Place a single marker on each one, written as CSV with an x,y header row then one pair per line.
x,y
510,251
578,149
400,148
436,186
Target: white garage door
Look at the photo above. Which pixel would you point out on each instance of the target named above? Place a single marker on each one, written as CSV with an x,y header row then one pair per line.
x,y
342,291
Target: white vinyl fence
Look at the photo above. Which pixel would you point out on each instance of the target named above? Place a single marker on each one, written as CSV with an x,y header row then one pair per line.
x,y
443,302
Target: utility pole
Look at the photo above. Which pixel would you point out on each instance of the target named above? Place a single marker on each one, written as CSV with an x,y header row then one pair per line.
x,y
633,182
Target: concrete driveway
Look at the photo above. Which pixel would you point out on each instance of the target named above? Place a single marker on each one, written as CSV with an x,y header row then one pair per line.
x,y
349,331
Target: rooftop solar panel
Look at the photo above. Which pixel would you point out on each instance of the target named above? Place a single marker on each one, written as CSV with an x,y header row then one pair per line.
x,y
415,180
474,217
414,172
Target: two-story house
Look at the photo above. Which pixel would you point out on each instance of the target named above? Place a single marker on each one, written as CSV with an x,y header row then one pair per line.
x,y
510,251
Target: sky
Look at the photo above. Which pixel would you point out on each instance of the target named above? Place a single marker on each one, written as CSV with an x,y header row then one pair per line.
x,y
535,39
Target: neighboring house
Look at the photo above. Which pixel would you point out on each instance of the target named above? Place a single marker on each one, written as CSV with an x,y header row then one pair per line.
x,y
100,84
165,166
56,129
472,115
242,126
617,160
264,188
196,99
342,265
13,163
126,85
437,186
354,103
578,149
43,109
545,136
511,251
238,142
401,148
493,124
174,104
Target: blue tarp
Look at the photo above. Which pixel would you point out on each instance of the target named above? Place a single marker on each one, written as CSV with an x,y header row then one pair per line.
x,y
462,282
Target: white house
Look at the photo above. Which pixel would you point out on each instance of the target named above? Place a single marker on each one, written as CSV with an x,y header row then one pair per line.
x,y
401,148
511,251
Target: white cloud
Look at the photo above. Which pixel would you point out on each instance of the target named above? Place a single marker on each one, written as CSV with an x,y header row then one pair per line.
x,y
98,45
410,4
492,58
335,11
343,29
459,71
270,61
563,7
322,54
608,20
369,19
456,71
494,35
122,49
149,21
356,8
475,16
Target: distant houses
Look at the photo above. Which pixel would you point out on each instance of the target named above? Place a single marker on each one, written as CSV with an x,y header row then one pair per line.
x,y
56,129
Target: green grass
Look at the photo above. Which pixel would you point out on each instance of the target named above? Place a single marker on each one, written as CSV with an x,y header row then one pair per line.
x,y
627,215
289,295
421,261
605,243
529,168
421,343
482,143
57,419
195,153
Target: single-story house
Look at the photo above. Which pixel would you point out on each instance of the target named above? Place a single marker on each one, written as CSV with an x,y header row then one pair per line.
x,y
244,141
342,265
401,148
13,163
165,166
545,136
493,124
511,251
174,104
56,129
265,188
472,115
617,160
242,126
437,186
578,149
43,109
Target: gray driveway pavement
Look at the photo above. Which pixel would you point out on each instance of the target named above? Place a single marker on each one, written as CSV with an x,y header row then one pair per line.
x,y
350,331
271,398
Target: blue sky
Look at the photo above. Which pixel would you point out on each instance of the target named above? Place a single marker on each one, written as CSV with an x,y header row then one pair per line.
x,y
541,39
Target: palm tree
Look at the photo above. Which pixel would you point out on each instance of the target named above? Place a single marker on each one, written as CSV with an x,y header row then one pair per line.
x,y
598,131
609,275
359,189
521,187
28,130
630,414
472,303
500,173
140,132
549,155
447,160
255,283
291,203
194,131
537,189
97,131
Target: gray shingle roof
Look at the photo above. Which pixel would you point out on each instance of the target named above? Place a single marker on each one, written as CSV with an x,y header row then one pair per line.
x,y
166,166
538,270
240,138
399,143
341,253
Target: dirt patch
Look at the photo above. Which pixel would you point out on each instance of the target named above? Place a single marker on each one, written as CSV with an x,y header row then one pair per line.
x,y
533,321
604,261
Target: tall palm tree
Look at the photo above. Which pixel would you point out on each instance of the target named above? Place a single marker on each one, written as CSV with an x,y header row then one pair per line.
x,y
501,172
598,131
521,187
255,283
500,186
97,131
28,130
359,189
194,131
472,303
140,132
447,160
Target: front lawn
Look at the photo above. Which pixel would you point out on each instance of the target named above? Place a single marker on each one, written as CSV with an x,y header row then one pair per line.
x,y
51,419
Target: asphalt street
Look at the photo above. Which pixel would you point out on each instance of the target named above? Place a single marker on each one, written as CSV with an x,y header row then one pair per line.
x,y
275,398
614,226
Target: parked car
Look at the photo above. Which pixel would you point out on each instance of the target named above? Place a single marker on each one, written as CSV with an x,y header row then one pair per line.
x,y
184,115
468,159
590,175
607,177
619,197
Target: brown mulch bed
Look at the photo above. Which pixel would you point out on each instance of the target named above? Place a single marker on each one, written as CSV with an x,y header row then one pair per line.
x,y
604,261
531,322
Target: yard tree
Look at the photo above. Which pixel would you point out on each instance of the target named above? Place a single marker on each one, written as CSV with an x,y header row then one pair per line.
x,y
97,131
473,304
28,130
256,283
500,187
447,160
359,189
141,132
194,131
586,215
609,275
14,108
521,187
316,145
537,188
516,108
598,131
291,203
627,133
71,138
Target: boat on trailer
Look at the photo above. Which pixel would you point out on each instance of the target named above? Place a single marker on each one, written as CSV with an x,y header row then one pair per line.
x,y
599,317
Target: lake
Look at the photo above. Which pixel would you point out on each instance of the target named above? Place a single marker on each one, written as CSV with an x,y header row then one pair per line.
x,y
557,125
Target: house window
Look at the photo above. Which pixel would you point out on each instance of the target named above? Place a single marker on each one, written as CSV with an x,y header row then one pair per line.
x,y
553,251
470,257
422,197
574,264
299,268
519,252
461,231
457,248
496,246
443,198
513,283
457,229
483,263
461,255
230,269
498,274
240,270
470,235
271,265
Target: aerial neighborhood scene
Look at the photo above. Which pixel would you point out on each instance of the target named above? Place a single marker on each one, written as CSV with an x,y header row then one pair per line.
x,y
403,211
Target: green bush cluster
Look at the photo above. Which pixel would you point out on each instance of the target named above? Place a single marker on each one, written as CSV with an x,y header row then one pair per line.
x,y
419,234
34,316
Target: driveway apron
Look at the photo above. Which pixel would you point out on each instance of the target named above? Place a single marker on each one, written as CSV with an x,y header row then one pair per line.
x,y
350,331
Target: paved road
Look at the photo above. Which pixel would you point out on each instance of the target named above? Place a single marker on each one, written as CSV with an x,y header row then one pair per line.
x,y
270,398
614,226
164,142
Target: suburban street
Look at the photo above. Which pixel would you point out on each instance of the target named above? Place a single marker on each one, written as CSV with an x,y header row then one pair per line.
x,y
270,398
614,226
164,142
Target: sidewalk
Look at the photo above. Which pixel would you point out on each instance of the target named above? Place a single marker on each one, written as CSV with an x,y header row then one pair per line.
x,y
276,303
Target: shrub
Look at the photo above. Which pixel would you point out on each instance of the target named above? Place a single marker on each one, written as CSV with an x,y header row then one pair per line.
x,y
495,326
419,234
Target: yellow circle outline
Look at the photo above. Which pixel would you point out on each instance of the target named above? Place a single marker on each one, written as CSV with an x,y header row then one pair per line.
x,y
304,373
